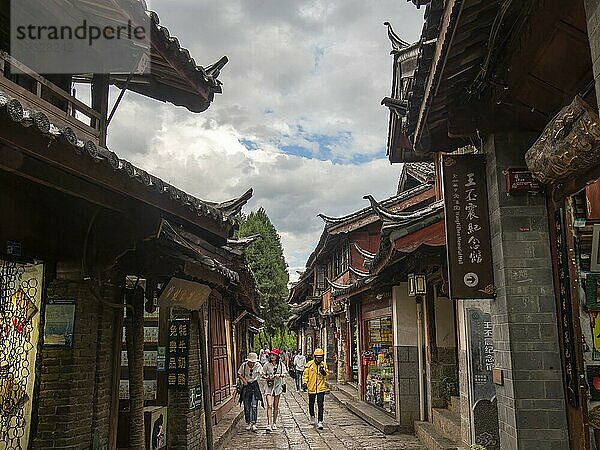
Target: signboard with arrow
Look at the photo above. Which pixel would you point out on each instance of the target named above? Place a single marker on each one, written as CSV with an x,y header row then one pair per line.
x,y
468,239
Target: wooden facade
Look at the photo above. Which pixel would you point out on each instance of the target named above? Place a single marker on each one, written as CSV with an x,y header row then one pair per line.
x,y
66,193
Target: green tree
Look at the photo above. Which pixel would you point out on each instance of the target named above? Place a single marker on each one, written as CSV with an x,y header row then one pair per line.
x,y
266,259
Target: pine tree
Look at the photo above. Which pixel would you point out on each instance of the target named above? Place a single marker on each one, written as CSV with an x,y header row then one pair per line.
x,y
270,269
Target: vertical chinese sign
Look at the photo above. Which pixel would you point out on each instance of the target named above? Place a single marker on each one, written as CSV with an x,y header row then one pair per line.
x,y
467,227
480,356
178,352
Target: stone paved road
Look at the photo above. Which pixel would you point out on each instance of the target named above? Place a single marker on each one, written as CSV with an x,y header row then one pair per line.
x,y
342,430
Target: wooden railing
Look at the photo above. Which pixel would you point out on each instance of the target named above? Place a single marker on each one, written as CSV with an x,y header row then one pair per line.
x,y
39,93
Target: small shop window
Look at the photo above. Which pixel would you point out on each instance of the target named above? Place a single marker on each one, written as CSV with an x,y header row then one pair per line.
x,y
379,361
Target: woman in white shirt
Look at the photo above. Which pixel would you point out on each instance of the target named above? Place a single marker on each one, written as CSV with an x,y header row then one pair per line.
x,y
274,373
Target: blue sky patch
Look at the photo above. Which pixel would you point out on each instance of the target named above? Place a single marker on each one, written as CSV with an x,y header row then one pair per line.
x,y
249,144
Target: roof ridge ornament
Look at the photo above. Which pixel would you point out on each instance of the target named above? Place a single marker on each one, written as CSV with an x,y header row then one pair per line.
x,y
398,44
337,286
214,70
398,106
389,218
243,242
234,206
364,253
359,273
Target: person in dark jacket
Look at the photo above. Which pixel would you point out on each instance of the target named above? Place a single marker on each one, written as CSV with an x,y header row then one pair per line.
x,y
249,373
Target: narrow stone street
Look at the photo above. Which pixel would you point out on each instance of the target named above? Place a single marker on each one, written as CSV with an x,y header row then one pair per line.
x,y
342,429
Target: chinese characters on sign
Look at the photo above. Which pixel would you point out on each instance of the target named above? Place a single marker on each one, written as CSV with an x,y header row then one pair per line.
x,y
481,348
178,351
520,181
467,227
195,397
480,358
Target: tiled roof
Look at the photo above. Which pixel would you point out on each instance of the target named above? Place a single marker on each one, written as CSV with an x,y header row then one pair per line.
x,y
331,222
37,122
174,75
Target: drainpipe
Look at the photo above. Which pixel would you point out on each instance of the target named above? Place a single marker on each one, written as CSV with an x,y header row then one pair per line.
x,y
420,339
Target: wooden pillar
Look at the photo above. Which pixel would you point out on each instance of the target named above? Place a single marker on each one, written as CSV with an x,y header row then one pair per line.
x,y
100,87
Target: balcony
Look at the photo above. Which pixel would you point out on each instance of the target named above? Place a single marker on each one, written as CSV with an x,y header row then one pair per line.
x,y
40,94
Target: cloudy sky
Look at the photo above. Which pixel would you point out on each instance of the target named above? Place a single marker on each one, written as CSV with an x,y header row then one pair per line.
x,y
299,119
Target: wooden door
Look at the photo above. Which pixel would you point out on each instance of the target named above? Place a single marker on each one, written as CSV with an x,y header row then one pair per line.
x,y
221,382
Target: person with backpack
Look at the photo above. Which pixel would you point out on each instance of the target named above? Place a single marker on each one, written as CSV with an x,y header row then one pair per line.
x,y
313,380
249,373
274,373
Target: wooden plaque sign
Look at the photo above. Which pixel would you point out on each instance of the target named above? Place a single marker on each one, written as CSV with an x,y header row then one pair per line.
x,y
467,227
521,181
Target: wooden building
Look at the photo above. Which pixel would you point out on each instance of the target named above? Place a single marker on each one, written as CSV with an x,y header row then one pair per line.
x,y
92,245
382,335
517,81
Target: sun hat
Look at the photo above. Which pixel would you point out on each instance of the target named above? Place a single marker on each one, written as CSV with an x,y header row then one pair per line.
x,y
319,352
252,357
276,351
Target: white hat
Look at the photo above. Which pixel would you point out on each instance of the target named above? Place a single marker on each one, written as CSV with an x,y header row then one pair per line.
x,y
252,357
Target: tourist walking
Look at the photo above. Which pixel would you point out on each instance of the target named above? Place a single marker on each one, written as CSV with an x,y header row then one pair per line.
x,y
299,365
313,380
249,373
264,355
274,373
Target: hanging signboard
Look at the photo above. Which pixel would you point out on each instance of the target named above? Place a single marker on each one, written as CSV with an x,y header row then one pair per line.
x,y
521,181
178,351
467,227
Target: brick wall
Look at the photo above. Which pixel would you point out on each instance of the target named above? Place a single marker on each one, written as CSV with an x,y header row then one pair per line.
x,y
407,358
75,383
187,430
531,405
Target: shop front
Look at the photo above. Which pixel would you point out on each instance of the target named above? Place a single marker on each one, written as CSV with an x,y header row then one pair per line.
x,y
378,355
574,217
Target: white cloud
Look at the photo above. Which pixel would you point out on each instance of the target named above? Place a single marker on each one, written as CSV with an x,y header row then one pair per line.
x,y
301,72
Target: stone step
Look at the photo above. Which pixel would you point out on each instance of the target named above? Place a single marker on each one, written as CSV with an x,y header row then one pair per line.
x,y
454,405
347,390
432,438
373,416
340,397
448,422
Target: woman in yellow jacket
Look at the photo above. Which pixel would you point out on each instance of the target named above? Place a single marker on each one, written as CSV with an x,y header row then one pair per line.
x,y
313,380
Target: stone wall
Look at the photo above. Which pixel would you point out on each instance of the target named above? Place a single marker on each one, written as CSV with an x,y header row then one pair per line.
x,y
531,405
404,310
74,403
407,358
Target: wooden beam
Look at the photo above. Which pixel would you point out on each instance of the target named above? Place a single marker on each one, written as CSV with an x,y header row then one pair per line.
x,y
22,164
